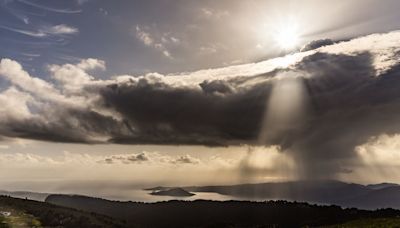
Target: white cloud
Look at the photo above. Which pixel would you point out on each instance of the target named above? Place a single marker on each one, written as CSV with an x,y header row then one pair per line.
x,y
126,158
44,7
378,160
154,158
383,151
143,36
13,71
74,76
383,47
45,31
14,105
25,32
91,64
40,104
61,29
186,159
152,41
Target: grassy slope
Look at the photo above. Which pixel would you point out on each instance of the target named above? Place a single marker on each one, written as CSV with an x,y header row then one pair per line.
x,y
370,223
18,219
30,212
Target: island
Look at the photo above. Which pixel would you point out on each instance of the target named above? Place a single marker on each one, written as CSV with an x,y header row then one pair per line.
x,y
177,192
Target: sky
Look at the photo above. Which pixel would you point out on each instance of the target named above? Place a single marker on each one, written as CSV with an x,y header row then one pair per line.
x,y
141,93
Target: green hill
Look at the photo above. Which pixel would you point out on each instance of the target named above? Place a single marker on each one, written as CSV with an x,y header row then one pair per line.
x,y
204,213
28,213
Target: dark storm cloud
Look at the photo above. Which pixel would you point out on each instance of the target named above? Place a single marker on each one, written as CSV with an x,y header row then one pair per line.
x,y
348,105
350,95
70,126
161,114
317,44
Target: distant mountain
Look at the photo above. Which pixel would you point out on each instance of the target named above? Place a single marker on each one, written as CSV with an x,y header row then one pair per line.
x,y
321,192
381,186
178,192
379,198
158,188
202,213
25,195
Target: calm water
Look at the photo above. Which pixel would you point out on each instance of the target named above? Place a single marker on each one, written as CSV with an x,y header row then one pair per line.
x,y
144,196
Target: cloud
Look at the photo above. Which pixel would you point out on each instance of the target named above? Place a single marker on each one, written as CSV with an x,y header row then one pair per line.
x,y
186,159
45,31
50,9
143,36
12,71
14,105
38,108
317,44
73,76
209,13
315,106
158,43
127,159
151,158
91,64
20,15
25,32
60,29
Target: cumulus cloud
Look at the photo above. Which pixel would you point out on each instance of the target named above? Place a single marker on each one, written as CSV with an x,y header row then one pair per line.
x,y
153,158
38,108
73,76
150,158
316,106
186,159
127,158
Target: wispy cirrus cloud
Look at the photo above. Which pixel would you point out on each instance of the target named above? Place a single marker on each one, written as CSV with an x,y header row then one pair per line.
x,y
25,32
60,29
44,31
51,9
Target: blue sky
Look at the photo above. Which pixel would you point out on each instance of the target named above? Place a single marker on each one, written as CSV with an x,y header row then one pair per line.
x,y
135,37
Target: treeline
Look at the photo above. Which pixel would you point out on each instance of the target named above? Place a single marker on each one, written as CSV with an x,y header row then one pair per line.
x,y
202,213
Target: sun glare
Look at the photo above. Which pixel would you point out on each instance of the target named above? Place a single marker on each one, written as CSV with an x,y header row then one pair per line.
x,y
287,37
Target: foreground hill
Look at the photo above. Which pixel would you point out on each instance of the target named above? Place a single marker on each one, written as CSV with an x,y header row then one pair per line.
x,y
31,212
201,213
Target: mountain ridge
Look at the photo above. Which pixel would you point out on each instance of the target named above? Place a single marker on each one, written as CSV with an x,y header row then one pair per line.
x,y
320,192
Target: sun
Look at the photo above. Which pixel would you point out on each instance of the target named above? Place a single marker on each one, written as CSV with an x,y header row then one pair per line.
x,y
287,37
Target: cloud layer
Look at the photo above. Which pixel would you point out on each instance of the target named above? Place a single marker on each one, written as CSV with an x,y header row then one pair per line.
x,y
316,105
